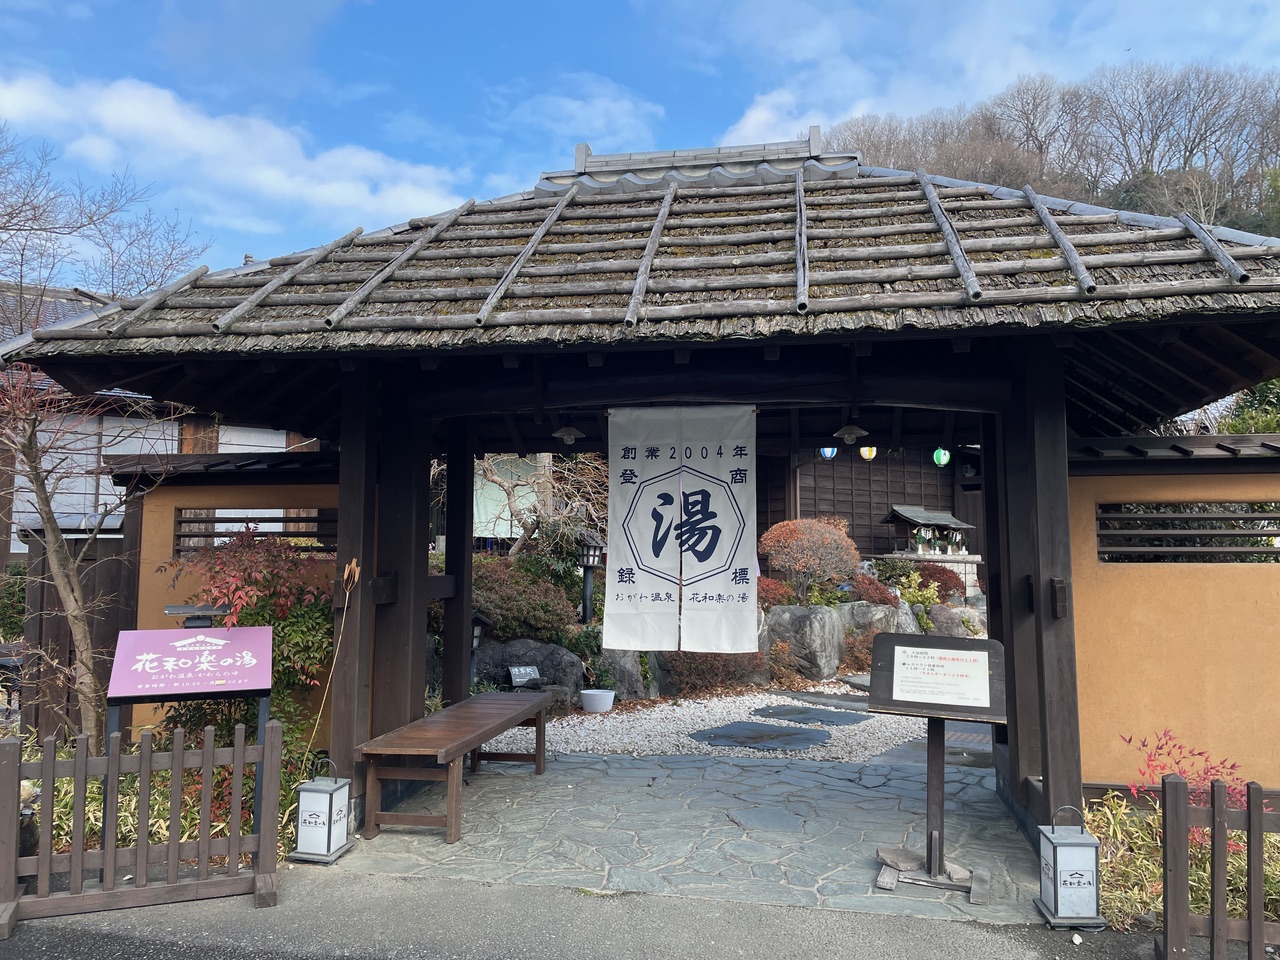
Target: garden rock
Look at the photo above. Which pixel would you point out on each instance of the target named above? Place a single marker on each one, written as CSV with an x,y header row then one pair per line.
x,y
555,664
950,621
907,622
816,637
860,616
628,679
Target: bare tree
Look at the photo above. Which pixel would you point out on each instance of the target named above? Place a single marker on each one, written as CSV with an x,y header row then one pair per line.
x,y
550,496
1199,137
55,231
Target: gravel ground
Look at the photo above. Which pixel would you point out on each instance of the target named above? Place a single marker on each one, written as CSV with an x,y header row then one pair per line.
x,y
664,729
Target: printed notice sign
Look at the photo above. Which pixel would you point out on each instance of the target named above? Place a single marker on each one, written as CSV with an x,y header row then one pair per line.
x,y
172,664
954,677
951,677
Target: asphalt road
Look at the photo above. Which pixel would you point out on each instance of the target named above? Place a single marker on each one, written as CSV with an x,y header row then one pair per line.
x,y
388,917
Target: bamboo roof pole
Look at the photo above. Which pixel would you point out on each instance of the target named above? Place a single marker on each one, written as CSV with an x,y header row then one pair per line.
x,y
224,322
157,298
1225,260
971,286
491,304
366,288
1083,276
802,247
646,260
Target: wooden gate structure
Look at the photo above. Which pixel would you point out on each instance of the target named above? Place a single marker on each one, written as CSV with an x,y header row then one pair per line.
x,y
926,310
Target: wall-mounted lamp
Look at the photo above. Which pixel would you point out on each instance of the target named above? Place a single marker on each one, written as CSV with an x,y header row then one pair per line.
x,y
867,453
828,453
567,435
941,457
850,433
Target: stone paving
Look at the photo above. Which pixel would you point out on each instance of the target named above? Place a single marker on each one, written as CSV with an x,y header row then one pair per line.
x,y
767,830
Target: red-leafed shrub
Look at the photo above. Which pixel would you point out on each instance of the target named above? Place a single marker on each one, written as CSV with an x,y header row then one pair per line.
x,y
518,604
856,656
950,585
863,587
772,593
809,550
695,673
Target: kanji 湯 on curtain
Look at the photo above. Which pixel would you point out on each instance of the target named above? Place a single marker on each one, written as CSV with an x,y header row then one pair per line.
x,y
682,534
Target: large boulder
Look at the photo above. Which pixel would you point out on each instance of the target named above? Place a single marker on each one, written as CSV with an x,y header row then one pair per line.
x,y
956,621
627,675
555,664
815,635
860,616
907,622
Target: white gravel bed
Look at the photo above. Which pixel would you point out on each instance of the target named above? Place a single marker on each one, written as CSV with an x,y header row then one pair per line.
x,y
664,730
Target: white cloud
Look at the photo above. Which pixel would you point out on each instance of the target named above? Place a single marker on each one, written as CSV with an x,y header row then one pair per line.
x,y
586,107
238,170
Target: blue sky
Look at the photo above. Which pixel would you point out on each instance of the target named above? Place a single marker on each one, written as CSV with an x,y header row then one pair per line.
x,y
276,125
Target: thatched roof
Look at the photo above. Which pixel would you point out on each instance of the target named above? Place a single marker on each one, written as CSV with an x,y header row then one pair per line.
x,y
775,243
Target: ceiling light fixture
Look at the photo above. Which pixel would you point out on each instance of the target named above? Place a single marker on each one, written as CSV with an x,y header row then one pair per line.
x,y
850,433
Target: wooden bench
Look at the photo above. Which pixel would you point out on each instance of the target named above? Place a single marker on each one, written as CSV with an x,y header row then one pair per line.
x,y
447,736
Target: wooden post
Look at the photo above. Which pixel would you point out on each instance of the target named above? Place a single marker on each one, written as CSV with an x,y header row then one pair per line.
x,y
935,797
1051,578
357,472
1177,906
10,824
1017,545
996,522
459,537
400,634
266,881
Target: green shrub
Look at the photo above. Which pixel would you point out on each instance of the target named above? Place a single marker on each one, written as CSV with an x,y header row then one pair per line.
x,y
13,602
1131,848
891,571
519,604
914,590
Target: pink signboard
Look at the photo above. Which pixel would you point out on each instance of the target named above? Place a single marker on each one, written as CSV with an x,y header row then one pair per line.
x,y
204,661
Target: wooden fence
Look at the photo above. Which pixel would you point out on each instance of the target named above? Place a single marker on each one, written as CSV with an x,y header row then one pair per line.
x,y
1180,816
145,872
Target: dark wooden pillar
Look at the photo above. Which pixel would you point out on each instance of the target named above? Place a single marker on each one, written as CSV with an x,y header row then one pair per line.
x,y
1017,493
1040,628
459,537
1054,609
996,522
400,634
357,490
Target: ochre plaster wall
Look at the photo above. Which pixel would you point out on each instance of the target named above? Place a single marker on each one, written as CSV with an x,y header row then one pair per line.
x,y
1188,646
158,518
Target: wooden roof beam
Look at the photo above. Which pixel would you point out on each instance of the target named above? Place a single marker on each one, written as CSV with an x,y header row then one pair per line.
x,y
646,259
971,285
1154,356
1119,385
1125,370
1082,388
802,248
155,300
513,271
1083,278
223,323
409,252
1216,250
